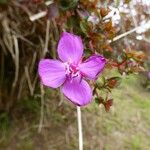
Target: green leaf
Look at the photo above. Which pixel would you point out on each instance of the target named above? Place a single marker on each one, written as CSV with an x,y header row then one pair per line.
x,y
84,27
97,100
67,4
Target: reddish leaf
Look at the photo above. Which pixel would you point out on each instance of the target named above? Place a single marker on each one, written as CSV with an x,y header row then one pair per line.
x,y
104,12
108,104
108,26
114,82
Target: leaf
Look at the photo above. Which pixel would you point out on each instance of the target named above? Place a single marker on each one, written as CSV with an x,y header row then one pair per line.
x,y
136,55
104,12
99,100
84,27
67,4
108,104
107,47
108,26
113,82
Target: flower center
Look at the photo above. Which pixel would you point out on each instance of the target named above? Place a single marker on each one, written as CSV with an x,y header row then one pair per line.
x,y
72,70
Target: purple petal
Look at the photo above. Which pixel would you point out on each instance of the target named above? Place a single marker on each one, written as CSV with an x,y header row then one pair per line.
x,y
77,91
52,72
92,66
70,48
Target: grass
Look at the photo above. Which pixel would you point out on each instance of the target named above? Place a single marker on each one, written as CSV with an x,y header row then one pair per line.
x,y
125,127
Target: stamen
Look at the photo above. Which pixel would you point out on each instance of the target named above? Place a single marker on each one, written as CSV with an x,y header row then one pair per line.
x,y
72,70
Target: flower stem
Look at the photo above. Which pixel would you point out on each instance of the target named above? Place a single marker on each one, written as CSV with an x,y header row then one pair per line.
x,y
80,128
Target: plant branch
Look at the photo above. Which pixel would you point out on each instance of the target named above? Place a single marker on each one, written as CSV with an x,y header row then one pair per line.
x,y
131,31
38,16
16,60
46,38
42,109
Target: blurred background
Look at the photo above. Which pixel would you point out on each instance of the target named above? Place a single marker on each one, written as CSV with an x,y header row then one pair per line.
x,y
33,117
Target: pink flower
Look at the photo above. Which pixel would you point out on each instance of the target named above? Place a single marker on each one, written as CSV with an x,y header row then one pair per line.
x,y
70,72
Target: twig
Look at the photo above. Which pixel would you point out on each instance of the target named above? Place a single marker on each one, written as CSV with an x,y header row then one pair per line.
x,y
61,98
124,34
129,32
33,62
7,38
23,7
46,38
22,38
42,109
2,65
21,84
3,47
42,89
41,14
28,80
38,16
80,128
49,2
34,82
16,60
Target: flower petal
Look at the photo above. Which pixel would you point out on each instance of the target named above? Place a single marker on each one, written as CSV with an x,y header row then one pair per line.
x,y
77,91
52,72
92,66
70,48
